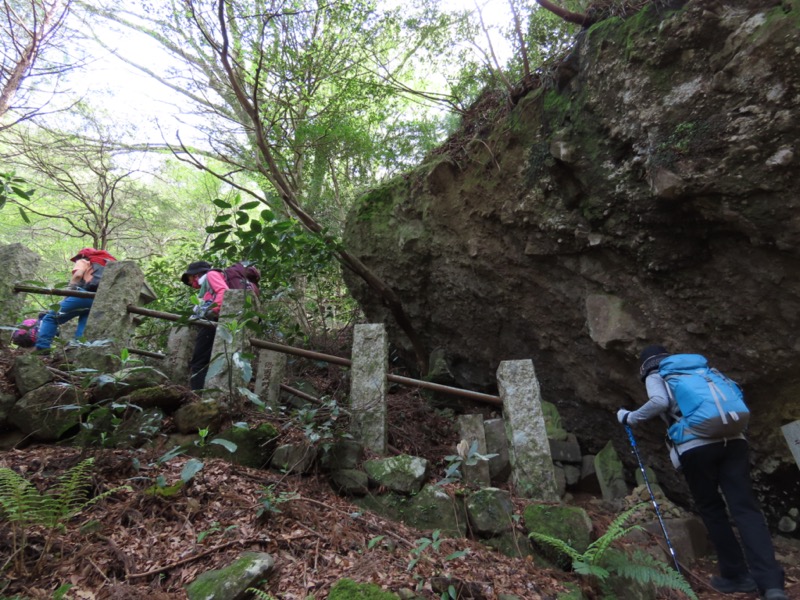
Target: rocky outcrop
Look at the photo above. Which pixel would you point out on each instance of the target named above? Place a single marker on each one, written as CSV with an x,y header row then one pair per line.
x,y
645,193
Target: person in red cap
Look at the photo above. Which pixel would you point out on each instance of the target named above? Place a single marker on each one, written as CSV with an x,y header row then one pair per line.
x,y
86,274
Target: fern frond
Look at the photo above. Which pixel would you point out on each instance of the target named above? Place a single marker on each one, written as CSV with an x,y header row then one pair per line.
x,y
20,501
261,595
557,544
71,493
643,568
615,531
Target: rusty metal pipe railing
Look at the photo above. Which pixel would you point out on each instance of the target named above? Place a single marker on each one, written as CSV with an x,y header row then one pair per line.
x,y
337,360
393,378
54,291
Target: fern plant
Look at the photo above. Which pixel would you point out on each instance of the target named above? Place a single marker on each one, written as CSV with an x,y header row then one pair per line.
x,y
598,562
24,507
261,595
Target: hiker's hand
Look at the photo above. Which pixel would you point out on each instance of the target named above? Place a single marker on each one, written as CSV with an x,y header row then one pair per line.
x,y
622,415
81,267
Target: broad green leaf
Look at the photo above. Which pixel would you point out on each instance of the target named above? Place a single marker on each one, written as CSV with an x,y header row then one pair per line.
x,y
227,444
192,467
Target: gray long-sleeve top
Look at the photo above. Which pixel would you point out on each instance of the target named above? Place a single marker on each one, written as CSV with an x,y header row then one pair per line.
x,y
660,403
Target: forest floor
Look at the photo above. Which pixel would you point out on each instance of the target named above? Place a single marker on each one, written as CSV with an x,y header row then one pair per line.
x,y
136,546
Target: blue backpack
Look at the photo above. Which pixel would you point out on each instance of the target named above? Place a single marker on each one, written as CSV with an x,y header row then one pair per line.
x,y
711,405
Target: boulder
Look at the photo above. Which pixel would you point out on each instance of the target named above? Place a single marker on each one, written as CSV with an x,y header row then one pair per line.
x,y
652,197
405,474
231,582
49,412
30,372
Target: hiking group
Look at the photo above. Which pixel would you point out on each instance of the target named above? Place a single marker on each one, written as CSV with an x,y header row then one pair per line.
x,y
211,284
706,419
704,411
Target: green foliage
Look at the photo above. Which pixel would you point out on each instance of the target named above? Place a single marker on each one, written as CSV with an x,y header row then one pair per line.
x,y
25,507
270,501
215,528
300,277
466,456
423,544
319,422
12,186
347,589
190,468
644,569
599,563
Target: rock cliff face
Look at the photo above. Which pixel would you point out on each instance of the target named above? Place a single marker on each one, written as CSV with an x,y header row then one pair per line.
x,y
647,192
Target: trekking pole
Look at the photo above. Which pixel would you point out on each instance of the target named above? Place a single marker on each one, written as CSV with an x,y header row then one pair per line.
x,y
652,497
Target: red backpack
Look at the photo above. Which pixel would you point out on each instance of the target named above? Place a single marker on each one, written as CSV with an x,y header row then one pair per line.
x,y
99,260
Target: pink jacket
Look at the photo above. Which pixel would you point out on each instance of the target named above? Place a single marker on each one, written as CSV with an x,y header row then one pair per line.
x,y
215,287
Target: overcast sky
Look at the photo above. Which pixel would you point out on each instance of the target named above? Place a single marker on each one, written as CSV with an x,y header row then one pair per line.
x,y
135,97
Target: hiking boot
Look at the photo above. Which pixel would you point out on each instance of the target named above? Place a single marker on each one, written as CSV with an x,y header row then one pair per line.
x,y
743,583
774,594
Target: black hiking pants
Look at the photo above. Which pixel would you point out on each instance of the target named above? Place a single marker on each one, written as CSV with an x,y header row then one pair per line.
x,y
725,467
201,356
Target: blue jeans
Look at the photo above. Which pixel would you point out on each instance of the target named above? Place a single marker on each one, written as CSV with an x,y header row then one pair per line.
x,y
68,310
725,467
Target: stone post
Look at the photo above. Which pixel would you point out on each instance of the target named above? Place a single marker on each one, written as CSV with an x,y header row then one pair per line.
x,y
180,346
368,387
531,464
228,369
271,369
496,443
18,264
109,318
791,432
470,428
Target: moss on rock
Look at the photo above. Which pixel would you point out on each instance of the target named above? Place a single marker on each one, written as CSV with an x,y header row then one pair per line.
x,y
347,589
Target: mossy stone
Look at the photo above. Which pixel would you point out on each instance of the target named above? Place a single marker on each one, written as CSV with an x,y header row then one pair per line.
x,y
347,589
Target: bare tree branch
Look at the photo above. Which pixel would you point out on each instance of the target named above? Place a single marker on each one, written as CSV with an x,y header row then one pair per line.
x,y
26,36
566,15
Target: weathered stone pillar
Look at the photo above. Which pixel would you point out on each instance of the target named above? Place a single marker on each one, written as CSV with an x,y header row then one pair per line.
x,y
470,428
610,473
271,369
109,318
791,432
180,346
18,264
529,450
368,386
496,443
228,369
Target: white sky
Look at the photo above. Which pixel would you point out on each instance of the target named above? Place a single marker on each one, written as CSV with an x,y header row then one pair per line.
x,y
137,98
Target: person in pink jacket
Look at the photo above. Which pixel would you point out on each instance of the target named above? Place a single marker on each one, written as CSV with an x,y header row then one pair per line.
x,y
211,287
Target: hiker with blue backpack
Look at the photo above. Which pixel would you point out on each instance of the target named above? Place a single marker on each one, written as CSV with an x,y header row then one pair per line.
x,y
86,274
706,418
